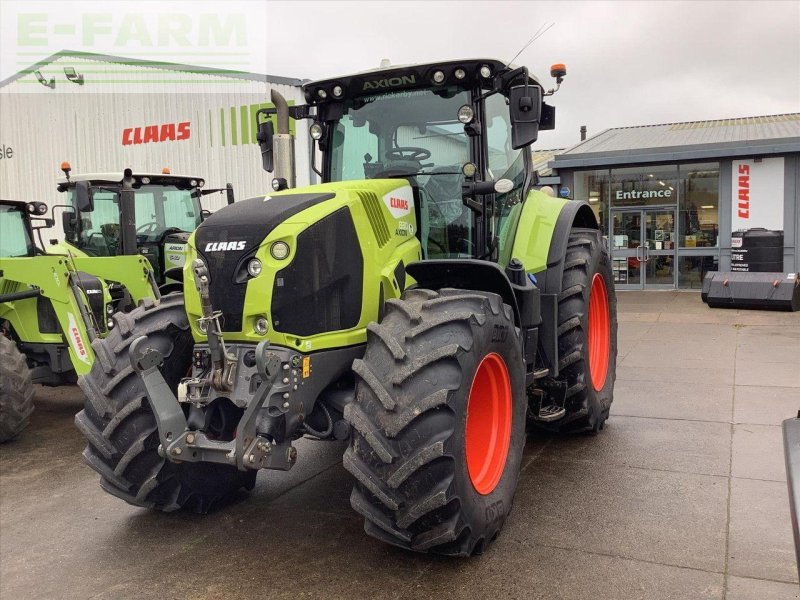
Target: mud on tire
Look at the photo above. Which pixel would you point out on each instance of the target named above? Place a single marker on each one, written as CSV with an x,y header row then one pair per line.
x,y
16,390
587,402
407,452
120,426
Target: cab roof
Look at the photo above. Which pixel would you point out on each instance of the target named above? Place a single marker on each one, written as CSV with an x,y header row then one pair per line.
x,y
405,77
155,178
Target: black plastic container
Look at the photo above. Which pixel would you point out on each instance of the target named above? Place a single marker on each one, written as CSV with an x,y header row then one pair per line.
x,y
757,250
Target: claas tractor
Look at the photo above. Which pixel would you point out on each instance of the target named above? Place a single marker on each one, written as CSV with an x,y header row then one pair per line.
x,y
424,302
52,307
113,214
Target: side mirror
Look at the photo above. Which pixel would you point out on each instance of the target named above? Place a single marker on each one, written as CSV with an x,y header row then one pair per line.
x,y
266,132
204,214
68,223
83,197
525,108
229,192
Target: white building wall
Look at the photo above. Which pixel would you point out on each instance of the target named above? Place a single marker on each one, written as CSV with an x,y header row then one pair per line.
x,y
85,125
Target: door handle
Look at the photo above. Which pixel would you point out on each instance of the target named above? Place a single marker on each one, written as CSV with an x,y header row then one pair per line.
x,y
645,254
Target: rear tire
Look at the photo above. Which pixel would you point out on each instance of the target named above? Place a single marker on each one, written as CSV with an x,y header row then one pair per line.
x,y
418,454
16,390
587,333
120,426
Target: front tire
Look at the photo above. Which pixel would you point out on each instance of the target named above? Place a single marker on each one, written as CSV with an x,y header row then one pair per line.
x,y
120,426
438,421
16,390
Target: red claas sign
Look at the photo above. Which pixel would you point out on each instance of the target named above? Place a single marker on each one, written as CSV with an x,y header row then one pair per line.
x,y
168,132
744,191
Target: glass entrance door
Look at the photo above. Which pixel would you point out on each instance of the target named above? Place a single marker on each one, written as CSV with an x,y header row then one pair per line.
x,y
643,248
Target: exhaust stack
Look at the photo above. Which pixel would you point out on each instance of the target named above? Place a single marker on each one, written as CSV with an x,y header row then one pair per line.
x,y
283,142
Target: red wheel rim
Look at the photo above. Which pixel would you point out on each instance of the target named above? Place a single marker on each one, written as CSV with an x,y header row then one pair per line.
x,y
599,332
488,429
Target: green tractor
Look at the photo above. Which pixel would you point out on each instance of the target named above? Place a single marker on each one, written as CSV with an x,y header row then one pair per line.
x,y
52,307
108,214
424,302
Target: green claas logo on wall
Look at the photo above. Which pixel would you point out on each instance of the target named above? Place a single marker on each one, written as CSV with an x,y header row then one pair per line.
x,y
236,125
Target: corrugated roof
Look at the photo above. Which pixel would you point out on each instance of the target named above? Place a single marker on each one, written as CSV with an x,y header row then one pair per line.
x,y
166,66
768,134
541,158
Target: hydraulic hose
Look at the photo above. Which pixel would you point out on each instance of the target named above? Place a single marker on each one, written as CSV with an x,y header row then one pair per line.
x,y
328,430
20,295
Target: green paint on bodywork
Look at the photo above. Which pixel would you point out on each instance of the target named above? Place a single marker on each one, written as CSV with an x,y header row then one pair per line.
x,y
533,231
379,262
51,274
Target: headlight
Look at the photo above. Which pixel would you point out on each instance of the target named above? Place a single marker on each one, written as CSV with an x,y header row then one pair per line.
x,y
193,182
279,250
254,267
262,326
110,324
316,131
337,90
438,77
109,309
322,93
460,74
145,180
486,72
466,114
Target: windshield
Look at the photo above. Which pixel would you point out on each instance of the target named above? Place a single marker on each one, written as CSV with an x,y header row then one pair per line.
x,y
417,136
159,210
14,237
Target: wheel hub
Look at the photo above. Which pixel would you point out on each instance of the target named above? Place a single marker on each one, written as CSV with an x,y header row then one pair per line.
x,y
599,334
488,427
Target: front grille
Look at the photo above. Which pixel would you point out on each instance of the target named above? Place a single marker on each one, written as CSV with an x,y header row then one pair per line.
x,y
372,206
242,226
321,289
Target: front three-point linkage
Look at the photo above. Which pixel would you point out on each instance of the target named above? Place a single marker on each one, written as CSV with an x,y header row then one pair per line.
x,y
223,364
248,450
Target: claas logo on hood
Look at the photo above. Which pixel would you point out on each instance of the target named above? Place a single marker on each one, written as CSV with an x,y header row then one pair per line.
x,y
224,246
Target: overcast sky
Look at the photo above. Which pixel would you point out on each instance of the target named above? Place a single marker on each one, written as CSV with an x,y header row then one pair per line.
x,y
629,63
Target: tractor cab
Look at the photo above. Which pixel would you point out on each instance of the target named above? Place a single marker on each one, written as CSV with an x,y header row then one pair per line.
x,y
16,230
457,131
112,214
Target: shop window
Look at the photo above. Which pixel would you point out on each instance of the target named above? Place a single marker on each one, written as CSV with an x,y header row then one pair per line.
x,y
644,186
698,217
592,187
692,270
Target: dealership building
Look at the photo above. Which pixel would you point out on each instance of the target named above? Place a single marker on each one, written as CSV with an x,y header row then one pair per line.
x,y
105,113
680,199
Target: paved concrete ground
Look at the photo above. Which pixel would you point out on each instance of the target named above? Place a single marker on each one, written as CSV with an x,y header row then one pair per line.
x,y
682,496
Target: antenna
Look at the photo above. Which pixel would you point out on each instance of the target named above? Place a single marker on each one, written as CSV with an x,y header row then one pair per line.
x,y
539,33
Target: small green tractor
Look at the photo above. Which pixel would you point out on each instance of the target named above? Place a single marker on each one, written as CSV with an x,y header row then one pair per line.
x,y
108,214
52,307
424,302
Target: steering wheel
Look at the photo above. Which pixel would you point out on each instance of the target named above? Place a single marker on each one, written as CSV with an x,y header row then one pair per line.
x,y
147,227
408,153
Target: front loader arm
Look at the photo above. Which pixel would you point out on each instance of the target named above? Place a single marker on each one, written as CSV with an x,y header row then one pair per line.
x,y
53,277
134,272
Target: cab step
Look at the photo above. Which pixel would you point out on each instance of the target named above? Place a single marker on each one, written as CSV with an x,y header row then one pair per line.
x,y
550,413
